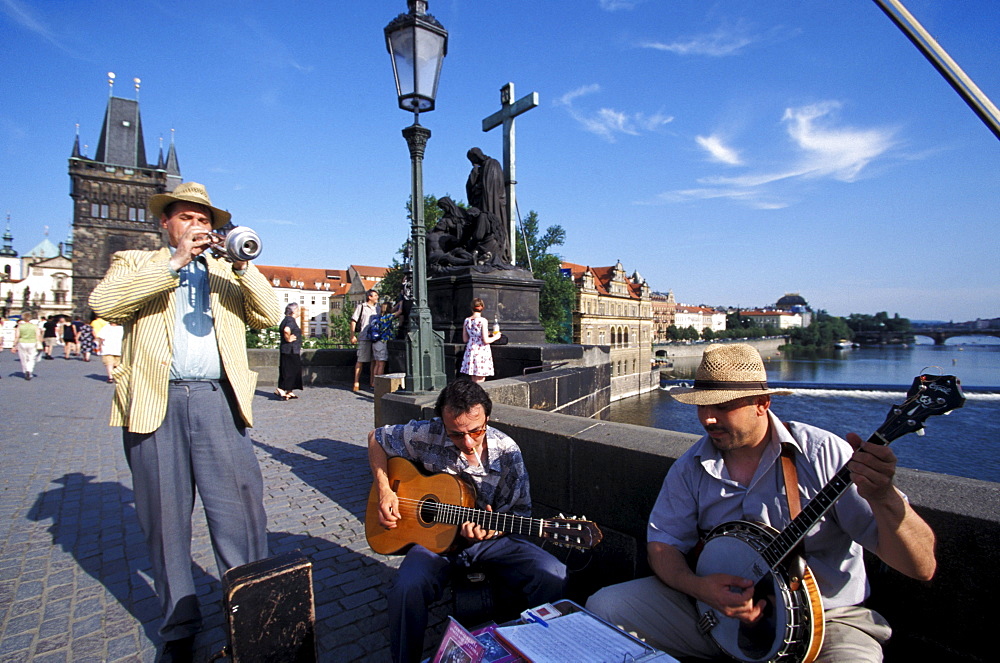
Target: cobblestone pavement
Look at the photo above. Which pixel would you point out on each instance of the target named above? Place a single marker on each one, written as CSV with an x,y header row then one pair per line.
x,y
74,576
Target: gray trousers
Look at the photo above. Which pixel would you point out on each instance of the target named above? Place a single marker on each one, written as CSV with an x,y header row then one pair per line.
x,y
667,619
201,445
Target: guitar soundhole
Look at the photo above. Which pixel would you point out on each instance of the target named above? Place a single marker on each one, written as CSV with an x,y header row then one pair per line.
x,y
427,514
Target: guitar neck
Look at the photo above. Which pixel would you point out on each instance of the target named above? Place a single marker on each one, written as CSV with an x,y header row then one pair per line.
x,y
507,523
813,512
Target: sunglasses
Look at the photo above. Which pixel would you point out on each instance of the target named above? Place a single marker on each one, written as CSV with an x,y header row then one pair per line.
x,y
474,434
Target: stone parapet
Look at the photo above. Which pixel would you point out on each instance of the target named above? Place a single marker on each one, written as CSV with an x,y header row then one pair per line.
x,y
613,472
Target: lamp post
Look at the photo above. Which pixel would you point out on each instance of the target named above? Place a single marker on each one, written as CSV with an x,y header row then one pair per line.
x,y
417,44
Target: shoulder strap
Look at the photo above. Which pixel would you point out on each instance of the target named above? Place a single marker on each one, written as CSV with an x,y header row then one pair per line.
x,y
791,477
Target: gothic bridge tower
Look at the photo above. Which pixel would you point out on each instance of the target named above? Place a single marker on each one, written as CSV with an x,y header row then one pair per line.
x,y
109,195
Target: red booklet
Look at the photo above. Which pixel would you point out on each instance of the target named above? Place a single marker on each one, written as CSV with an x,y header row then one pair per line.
x,y
458,646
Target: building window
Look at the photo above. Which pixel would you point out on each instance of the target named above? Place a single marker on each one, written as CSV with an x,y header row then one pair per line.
x,y
131,214
104,211
95,210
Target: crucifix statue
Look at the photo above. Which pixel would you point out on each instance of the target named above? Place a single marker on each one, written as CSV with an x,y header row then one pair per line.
x,y
505,116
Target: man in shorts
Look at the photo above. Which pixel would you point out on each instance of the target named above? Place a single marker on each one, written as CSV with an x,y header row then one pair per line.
x,y
360,332
109,341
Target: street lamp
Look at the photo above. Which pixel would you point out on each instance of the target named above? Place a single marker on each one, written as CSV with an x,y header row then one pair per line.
x,y
417,44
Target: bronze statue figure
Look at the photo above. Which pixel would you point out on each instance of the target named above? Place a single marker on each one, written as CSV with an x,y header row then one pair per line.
x,y
465,239
486,191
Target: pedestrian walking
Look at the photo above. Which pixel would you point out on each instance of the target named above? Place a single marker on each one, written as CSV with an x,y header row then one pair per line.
x,y
361,333
29,342
85,337
109,342
50,335
289,355
69,337
381,332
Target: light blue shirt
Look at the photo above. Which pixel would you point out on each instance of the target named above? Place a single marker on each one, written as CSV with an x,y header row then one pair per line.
x,y
195,351
698,495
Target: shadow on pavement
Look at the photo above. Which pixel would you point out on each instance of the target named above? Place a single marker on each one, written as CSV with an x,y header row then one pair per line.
x,y
97,525
341,473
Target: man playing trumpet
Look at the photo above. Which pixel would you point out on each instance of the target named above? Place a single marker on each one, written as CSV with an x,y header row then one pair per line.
x,y
182,397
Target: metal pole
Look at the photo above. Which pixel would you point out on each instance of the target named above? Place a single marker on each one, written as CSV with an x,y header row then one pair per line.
x,y
425,347
939,58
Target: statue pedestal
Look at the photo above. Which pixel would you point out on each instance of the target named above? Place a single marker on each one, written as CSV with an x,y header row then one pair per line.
x,y
512,295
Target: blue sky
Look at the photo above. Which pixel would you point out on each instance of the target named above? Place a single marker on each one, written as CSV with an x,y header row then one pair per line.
x,y
731,151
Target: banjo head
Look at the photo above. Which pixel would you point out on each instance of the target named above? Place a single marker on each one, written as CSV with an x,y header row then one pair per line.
x,y
735,549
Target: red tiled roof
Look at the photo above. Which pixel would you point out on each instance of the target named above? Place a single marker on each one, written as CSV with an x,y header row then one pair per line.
x,y
368,272
602,277
308,276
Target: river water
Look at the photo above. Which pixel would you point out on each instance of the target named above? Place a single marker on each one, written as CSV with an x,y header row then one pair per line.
x,y
852,391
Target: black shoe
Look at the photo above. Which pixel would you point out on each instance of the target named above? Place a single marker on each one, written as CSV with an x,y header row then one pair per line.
x,y
28,376
178,651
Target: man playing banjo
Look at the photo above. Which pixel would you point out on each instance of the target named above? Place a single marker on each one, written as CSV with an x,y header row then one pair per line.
x,y
735,473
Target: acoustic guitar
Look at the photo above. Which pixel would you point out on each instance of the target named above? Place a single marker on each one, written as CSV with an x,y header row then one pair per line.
x,y
791,630
432,508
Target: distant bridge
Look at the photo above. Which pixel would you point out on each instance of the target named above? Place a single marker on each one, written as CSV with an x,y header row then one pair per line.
x,y
938,334
942,334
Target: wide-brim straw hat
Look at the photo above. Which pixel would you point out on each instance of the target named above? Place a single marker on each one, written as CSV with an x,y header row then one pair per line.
x,y
189,192
727,372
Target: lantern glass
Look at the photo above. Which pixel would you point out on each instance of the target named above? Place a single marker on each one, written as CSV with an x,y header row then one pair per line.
x,y
417,49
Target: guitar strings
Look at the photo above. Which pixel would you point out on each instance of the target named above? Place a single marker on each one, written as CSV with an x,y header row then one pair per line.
x,y
456,515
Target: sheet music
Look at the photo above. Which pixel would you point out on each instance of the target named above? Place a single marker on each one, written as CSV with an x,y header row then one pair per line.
x,y
576,637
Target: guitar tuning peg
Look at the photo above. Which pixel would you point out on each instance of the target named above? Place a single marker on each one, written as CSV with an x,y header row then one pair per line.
x,y
561,515
582,517
920,432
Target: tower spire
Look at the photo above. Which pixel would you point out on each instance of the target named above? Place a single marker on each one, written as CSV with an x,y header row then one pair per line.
x,y
8,250
76,144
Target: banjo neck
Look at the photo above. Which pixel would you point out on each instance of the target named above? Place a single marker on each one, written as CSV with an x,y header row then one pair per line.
x,y
929,395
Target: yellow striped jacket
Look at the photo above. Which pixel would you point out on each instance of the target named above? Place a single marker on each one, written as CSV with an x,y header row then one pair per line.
x,y
139,292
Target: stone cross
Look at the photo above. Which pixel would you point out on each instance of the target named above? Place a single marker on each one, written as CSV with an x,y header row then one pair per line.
x,y
505,116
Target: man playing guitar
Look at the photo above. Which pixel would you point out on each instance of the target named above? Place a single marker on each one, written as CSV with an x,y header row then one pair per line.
x,y
459,441
735,473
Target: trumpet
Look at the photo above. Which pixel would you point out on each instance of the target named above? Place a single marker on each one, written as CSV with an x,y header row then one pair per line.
x,y
235,243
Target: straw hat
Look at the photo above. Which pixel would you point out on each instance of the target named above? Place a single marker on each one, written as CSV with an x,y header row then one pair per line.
x,y
727,372
190,192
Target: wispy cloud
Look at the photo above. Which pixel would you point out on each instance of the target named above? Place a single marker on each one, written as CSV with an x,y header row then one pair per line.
x,y
23,16
726,40
271,51
718,151
608,122
822,149
616,5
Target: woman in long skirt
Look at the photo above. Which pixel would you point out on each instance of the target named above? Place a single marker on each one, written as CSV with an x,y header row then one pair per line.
x,y
85,335
290,357
478,360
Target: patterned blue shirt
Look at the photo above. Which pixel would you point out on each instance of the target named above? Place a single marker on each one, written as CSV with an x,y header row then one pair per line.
x,y
501,481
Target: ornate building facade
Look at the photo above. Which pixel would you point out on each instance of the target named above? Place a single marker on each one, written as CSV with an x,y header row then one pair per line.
x,y
664,309
39,282
615,310
110,192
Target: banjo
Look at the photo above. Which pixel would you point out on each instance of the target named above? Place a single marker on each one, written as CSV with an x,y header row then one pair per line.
x,y
791,629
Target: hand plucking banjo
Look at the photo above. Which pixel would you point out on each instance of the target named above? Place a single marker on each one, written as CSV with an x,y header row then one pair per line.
x,y
792,628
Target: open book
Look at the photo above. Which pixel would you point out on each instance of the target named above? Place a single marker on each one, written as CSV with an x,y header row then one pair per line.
x,y
578,636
